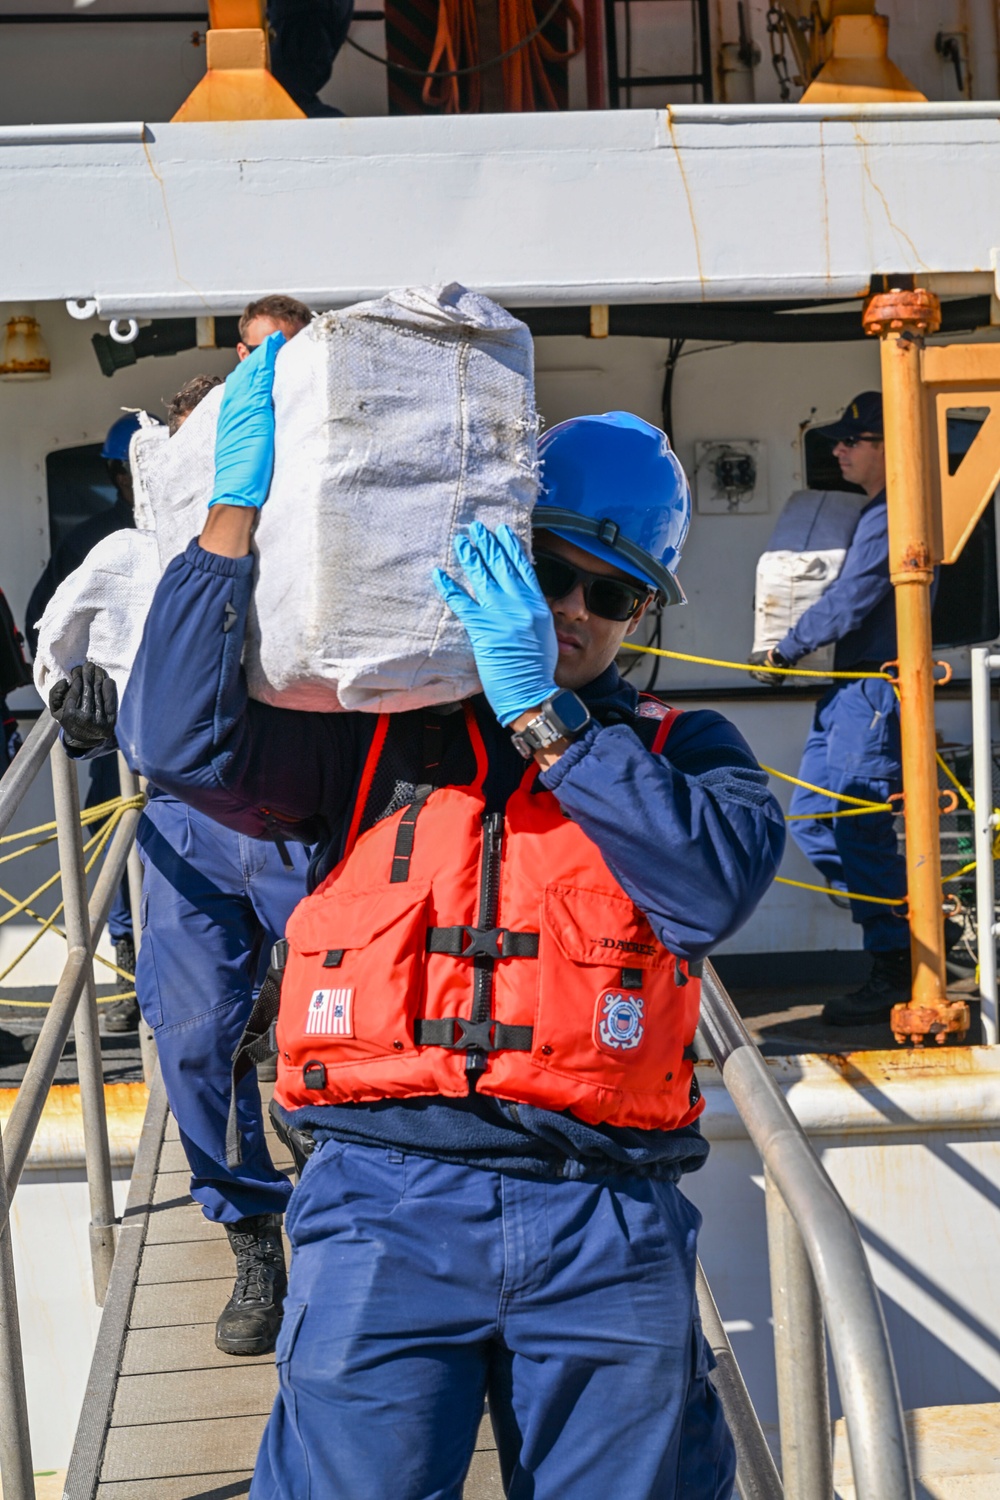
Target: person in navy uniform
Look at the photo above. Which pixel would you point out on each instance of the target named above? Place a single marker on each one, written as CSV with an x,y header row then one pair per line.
x,y
854,745
213,904
123,1015
446,1246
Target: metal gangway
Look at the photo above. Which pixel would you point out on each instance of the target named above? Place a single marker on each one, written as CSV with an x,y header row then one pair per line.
x,y
159,1388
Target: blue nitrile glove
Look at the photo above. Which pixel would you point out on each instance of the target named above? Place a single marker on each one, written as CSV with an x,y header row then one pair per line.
x,y
244,438
508,620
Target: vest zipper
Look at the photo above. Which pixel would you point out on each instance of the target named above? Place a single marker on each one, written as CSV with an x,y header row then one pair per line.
x,y
489,905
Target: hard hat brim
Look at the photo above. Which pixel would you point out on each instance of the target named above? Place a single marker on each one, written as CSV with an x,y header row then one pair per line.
x,y
594,537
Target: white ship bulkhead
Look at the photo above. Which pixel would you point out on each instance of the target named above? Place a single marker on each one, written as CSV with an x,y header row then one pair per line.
x,y
737,203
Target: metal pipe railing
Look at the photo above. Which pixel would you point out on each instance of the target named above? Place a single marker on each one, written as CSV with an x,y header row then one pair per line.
x,y
25,766
836,1259
90,1068
757,1477
16,1471
984,662
74,1005
48,1049
799,1357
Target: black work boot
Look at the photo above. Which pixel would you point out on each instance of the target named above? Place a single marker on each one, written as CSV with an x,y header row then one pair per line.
x,y
249,1322
123,1015
887,985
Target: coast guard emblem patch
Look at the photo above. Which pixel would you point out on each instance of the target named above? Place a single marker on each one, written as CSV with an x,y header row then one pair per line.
x,y
619,1024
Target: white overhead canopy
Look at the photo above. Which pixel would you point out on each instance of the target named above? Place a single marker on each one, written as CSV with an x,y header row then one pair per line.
x,y
700,203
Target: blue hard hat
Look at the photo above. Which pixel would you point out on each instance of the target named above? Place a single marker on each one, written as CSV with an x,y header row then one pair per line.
x,y
119,436
614,486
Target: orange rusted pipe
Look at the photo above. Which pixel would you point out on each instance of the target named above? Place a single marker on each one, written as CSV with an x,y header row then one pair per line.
x,y
901,318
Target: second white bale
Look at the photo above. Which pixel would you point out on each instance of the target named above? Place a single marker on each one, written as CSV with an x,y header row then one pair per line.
x,y
398,422
804,557
98,613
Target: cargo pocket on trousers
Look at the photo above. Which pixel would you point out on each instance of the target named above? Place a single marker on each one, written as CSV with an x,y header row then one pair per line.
x,y
289,1455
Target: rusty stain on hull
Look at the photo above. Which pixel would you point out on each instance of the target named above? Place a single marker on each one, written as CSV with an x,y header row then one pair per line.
x,y
902,238
58,1142
690,200
873,1093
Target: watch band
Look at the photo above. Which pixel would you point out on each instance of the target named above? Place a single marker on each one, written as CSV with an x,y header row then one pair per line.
x,y
538,734
548,727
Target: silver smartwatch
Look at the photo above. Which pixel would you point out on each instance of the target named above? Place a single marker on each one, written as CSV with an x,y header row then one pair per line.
x,y
562,717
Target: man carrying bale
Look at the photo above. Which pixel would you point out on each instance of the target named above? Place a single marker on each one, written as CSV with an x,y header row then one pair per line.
x,y
490,1000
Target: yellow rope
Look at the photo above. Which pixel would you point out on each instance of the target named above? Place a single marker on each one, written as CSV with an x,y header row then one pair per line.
x,y
955,783
111,813
860,802
45,1004
87,815
742,666
825,890
859,807
840,812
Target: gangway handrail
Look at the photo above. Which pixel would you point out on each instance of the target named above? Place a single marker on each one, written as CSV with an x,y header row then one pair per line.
x,y
74,1003
811,1217
25,766
984,662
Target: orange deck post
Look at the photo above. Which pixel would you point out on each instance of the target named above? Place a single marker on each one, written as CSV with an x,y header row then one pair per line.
x,y
901,319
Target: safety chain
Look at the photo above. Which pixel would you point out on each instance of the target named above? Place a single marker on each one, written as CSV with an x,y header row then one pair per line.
x,y
777,30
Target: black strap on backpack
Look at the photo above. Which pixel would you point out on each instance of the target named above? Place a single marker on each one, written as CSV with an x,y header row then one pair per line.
x,y
256,1044
14,670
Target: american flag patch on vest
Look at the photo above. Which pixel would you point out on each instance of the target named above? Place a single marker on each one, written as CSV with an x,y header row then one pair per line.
x,y
330,1013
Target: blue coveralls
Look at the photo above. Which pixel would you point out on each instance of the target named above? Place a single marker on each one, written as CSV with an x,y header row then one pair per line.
x,y
443,1248
213,904
854,745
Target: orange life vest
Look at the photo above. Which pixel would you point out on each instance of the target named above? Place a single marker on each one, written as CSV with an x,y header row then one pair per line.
x,y
450,941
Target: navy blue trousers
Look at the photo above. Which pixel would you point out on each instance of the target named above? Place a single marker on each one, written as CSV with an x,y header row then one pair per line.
x,y
419,1287
854,748
213,903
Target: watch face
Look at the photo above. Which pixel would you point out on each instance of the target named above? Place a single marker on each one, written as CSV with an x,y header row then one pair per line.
x,y
570,711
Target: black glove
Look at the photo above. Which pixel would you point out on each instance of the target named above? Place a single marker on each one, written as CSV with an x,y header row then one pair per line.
x,y
86,707
773,658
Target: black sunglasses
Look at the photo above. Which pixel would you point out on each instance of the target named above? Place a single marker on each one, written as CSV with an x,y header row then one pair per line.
x,y
610,598
852,442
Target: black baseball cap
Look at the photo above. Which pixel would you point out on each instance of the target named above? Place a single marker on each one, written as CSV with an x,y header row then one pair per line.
x,y
862,418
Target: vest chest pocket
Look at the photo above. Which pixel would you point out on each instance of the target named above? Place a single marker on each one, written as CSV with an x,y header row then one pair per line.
x,y
355,975
608,1009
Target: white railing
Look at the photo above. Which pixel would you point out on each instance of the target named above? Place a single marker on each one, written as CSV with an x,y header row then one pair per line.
x,y
985,661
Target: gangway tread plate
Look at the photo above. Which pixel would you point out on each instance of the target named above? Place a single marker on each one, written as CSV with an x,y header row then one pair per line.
x,y
165,1413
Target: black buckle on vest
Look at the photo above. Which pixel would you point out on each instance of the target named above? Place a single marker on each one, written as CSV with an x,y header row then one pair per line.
x,y
484,940
458,1034
478,1034
490,942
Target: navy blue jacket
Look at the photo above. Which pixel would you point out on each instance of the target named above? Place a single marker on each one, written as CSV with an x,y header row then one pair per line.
x,y
694,836
858,610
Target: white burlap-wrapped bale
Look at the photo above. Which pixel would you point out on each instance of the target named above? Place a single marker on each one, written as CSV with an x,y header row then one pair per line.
x,y
98,612
397,423
804,556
